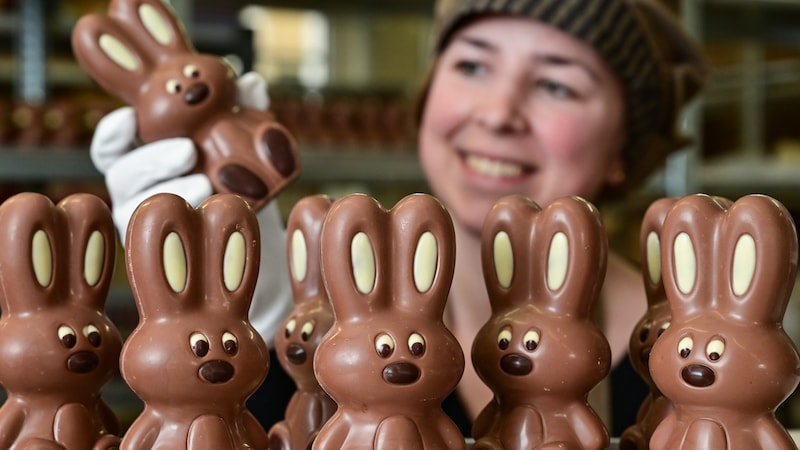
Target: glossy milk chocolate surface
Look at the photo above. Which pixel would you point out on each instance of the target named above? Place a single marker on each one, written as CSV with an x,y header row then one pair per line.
x,y
540,352
388,361
725,361
58,348
194,358
140,53
297,340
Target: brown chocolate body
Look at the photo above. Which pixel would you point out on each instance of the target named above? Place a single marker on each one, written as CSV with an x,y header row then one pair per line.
x,y
652,324
140,53
303,329
540,352
725,361
57,346
194,358
388,360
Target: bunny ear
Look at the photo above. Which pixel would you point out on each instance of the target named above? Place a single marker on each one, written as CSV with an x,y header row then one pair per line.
x,y
506,238
353,253
758,249
303,230
154,26
110,55
161,242
571,233
34,253
687,244
93,248
650,240
423,255
231,253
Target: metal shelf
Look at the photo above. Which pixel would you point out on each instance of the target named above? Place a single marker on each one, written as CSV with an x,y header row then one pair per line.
x,y
319,165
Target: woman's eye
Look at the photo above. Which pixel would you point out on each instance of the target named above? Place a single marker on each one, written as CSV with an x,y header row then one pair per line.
x,y
471,68
557,89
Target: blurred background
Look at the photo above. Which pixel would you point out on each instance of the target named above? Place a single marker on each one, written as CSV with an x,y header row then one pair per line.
x,y
343,76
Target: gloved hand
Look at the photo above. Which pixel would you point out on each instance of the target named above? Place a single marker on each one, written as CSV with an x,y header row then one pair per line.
x,y
132,175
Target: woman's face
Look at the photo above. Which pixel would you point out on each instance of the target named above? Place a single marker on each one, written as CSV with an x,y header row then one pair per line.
x,y
516,106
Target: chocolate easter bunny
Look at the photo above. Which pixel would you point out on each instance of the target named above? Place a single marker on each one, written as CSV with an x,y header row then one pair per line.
x,y
57,346
389,360
302,331
539,352
140,53
651,325
725,361
194,358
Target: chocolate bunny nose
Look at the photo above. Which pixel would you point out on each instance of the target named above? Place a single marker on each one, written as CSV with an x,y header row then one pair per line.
x,y
401,373
196,94
514,364
296,354
216,371
82,362
698,375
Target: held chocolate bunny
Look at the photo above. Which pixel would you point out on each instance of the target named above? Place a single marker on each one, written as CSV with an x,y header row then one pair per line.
x,y
388,360
57,346
194,358
540,352
297,341
725,361
140,53
652,325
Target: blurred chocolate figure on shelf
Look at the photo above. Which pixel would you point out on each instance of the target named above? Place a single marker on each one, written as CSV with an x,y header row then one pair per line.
x,y
548,98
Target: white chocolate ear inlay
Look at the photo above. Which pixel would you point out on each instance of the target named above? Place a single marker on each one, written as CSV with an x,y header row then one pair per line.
x,y
299,255
557,261
653,257
363,260
93,258
175,262
118,52
503,259
425,257
233,261
155,24
744,264
42,258
685,262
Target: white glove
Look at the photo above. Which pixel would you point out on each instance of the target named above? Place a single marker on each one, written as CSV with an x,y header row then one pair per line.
x,y
133,175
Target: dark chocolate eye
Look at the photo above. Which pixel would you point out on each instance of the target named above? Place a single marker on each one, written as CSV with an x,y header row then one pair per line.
x,y
685,347
290,326
92,335
191,71
715,349
384,345
199,344
306,331
67,336
644,333
416,344
173,86
504,338
531,340
230,343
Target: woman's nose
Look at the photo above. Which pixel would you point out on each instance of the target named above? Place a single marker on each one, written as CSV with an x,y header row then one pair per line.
x,y
502,111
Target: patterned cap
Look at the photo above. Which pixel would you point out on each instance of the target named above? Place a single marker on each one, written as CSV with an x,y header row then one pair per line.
x,y
659,65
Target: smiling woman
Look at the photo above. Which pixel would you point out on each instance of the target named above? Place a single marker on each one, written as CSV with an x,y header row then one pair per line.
x,y
547,99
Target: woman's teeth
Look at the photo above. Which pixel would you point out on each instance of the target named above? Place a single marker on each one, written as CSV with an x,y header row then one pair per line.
x,y
493,167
